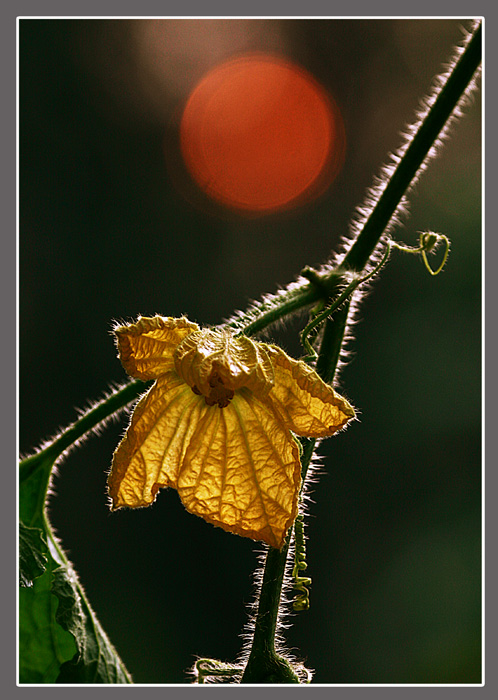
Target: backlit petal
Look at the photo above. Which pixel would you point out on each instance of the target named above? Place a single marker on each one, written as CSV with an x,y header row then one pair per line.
x,y
241,471
217,425
308,405
238,362
146,347
150,454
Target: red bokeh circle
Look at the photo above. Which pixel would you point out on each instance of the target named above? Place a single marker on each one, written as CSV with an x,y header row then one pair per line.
x,y
259,134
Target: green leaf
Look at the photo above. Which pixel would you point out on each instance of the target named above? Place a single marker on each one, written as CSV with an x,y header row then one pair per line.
x,y
97,660
43,644
32,554
60,638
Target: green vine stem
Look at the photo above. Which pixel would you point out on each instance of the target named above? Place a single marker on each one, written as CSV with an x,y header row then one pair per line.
x,y
419,148
98,414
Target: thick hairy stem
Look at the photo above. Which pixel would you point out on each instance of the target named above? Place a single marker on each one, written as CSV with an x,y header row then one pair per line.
x,y
420,145
264,663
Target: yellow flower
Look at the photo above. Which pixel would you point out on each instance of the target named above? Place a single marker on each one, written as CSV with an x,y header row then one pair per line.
x,y
216,425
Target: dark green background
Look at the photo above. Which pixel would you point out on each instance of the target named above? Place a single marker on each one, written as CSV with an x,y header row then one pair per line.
x,y
394,531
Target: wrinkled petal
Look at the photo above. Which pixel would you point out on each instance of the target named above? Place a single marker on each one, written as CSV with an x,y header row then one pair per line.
x,y
217,425
241,471
307,405
150,454
238,362
146,347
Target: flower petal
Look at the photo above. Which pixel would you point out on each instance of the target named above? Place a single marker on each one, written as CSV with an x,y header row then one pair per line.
x,y
307,405
146,347
150,454
242,472
237,362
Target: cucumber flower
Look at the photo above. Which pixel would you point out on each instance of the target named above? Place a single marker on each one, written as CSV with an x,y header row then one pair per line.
x,y
218,425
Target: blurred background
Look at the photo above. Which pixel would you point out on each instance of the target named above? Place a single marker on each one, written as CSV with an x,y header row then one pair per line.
x,y
110,228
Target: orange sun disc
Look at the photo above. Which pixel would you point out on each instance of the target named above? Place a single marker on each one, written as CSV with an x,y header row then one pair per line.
x,y
259,134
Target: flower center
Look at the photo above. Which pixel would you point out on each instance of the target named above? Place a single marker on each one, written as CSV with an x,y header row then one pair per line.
x,y
218,392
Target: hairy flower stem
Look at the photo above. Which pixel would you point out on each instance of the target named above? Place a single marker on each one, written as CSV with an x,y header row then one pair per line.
x,y
265,665
91,419
416,153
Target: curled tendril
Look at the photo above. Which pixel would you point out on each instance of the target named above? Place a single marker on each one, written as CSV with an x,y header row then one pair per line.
x,y
211,668
321,315
215,669
428,242
302,601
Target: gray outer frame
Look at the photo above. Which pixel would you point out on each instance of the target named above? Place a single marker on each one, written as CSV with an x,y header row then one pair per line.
x,y
8,278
